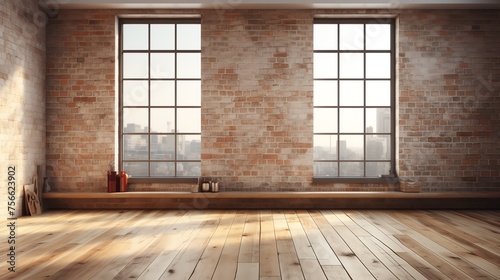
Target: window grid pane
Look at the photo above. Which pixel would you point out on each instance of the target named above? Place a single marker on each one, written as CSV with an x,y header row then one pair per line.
x,y
353,125
160,98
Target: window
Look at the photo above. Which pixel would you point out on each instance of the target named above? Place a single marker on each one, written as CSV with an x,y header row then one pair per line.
x,y
160,97
354,98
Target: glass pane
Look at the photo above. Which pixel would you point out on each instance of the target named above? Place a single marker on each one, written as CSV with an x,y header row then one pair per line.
x,y
135,120
188,93
162,169
326,169
351,37
378,147
351,147
135,36
136,169
162,147
351,169
189,37
162,120
378,93
325,37
135,147
189,169
162,65
189,65
325,120
378,65
378,36
351,120
162,93
325,93
375,169
135,65
325,147
135,93
162,37
351,65
189,147
325,65
189,120
351,93
378,120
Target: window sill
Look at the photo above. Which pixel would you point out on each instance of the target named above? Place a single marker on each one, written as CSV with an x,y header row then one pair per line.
x,y
165,180
356,180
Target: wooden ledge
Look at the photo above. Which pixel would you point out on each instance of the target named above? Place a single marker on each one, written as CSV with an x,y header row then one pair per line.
x,y
273,200
234,194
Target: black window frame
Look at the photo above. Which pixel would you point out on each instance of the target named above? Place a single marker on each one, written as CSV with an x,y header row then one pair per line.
x,y
392,176
175,133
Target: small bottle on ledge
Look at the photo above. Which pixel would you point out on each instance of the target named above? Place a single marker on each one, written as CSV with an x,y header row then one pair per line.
x,y
123,181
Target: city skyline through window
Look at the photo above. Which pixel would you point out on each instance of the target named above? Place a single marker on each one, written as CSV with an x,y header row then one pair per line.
x,y
353,97
160,97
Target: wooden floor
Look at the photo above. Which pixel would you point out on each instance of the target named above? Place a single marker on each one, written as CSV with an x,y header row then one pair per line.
x,y
258,244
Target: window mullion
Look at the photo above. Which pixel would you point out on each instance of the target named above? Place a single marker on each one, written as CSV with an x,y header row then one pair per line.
x,y
175,100
393,100
149,101
364,100
338,100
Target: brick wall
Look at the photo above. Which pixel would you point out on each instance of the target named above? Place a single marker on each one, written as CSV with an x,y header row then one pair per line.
x,y
449,99
22,98
80,99
257,99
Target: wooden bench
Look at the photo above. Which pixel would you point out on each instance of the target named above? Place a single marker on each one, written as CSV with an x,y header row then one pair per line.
x,y
272,200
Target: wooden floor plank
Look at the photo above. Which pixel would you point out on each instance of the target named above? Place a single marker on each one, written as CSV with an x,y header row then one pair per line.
x,y
228,262
312,270
374,231
489,217
290,266
489,234
210,258
335,272
247,271
324,253
300,241
426,253
353,266
425,268
382,222
139,262
98,257
369,260
186,260
347,221
42,238
249,249
458,235
258,244
143,237
282,234
449,249
386,257
287,255
77,238
174,239
39,238
268,262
